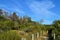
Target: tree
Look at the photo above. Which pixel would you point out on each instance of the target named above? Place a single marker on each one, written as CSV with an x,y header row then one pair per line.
x,y
1,12
14,17
56,24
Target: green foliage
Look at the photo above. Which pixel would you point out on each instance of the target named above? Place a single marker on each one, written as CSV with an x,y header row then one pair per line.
x,y
14,22
56,24
10,35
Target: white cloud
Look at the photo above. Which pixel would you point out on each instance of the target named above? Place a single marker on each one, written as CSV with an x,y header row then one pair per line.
x,y
12,9
47,22
41,9
19,12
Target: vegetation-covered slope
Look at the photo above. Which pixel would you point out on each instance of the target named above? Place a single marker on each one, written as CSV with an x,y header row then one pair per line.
x,y
13,22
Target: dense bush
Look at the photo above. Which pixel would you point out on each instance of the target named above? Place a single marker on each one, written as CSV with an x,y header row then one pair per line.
x,y
10,35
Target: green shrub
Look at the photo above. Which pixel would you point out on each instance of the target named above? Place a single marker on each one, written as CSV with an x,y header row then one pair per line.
x,y
10,35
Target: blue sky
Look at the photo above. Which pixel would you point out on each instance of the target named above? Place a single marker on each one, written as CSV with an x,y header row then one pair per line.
x,y
48,10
